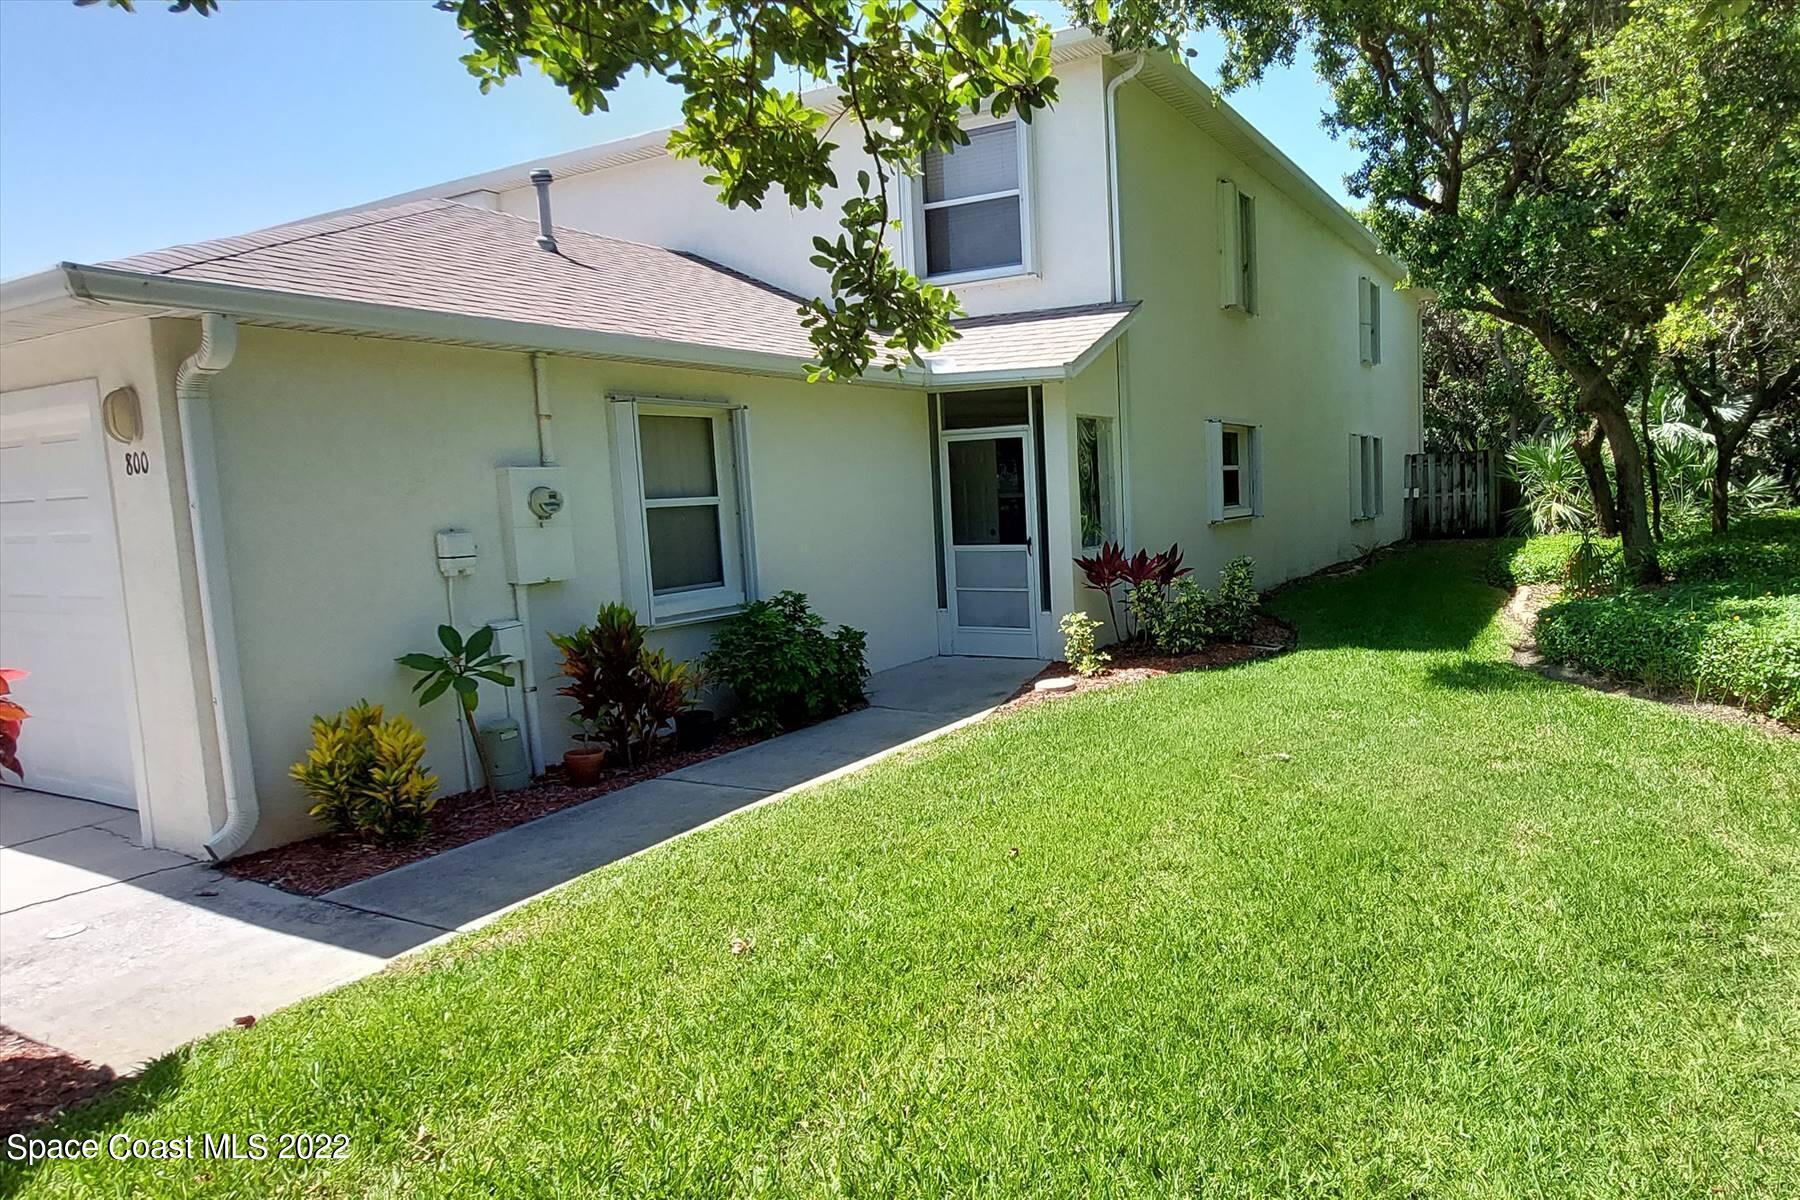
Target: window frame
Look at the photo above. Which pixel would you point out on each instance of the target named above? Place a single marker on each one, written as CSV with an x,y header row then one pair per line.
x,y
1241,468
917,247
1106,480
1248,467
731,498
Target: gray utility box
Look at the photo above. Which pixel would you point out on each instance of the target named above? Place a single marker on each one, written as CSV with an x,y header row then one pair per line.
x,y
506,755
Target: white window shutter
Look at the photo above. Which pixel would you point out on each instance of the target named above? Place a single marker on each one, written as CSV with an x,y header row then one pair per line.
x,y
1356,484
1378,479
1231,278
1214,465
1364,342
1374,322
628,506
1256,470
740,446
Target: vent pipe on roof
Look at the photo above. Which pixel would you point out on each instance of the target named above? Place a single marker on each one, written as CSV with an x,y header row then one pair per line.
x,y
540,179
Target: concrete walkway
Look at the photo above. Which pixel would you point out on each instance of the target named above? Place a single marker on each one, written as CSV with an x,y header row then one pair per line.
x,y
472,884
117,953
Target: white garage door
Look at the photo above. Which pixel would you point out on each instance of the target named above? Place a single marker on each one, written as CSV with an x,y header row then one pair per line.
x,y
62,613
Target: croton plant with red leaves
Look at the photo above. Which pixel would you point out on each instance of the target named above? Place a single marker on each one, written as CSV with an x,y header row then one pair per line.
x,y
1108,568
11,714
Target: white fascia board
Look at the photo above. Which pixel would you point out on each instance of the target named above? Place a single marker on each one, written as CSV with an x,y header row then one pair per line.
x,y
27,291
165,292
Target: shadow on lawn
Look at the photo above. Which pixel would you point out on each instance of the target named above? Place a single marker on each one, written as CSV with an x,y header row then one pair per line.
x,y
1427,597
1474,675
100,1116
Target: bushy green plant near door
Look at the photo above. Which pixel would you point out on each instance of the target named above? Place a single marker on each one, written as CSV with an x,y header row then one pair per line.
x,y
783,668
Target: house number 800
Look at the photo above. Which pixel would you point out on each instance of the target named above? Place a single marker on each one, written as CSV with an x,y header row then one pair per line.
x,y
137,462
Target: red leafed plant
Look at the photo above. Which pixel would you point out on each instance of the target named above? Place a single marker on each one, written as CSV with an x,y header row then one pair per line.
x,y
11,714
1108,568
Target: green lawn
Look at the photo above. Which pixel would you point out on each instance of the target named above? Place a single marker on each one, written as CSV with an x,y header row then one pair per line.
x,y
1382,917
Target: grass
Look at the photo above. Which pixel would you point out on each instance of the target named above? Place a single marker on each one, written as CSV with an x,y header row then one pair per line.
x,y
1727,626
1382,917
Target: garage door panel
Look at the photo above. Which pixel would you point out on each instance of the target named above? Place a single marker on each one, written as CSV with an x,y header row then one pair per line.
x,y
61,605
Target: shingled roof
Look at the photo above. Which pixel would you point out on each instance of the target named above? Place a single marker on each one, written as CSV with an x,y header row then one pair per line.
x,y
440,270
441,256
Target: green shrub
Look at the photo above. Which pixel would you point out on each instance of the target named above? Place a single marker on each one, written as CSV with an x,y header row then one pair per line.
x,y
1547,559
1079,649
1236,602
363,774
1698,638
782,666
1182,617
1176,618
1726,627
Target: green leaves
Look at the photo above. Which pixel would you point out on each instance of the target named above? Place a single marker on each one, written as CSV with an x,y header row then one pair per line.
x,y
464,662
905,72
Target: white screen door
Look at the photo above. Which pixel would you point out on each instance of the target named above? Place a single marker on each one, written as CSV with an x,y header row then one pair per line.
x,y
989,500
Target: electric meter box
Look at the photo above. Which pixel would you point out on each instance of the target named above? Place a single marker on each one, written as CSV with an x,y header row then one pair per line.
x,y
456,554
537,538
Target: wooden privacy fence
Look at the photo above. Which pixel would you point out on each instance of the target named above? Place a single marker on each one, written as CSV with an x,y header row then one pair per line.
x,y
1452,493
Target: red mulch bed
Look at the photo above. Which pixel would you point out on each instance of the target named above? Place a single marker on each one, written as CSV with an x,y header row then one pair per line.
x,y
333,860
39,1081
1133,664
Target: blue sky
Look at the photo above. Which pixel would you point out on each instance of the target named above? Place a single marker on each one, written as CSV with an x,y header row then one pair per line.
x,y
121,133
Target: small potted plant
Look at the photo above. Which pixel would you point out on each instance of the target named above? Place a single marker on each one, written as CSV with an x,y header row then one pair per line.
x,y
695,728
583,763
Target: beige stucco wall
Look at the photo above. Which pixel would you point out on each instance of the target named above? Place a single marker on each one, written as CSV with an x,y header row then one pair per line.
x,y
178,784
340,457
1294,368
667,202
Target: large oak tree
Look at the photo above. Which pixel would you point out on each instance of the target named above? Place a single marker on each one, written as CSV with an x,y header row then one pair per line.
x,y
1467,114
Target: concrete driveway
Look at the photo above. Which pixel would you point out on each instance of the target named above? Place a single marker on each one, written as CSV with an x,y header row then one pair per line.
x,y
116,953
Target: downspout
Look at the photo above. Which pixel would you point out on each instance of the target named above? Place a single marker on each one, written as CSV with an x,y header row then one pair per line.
x,y
534,722
193,391
1121,377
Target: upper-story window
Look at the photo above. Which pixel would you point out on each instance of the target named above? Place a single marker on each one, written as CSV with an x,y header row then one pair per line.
x,y
973,212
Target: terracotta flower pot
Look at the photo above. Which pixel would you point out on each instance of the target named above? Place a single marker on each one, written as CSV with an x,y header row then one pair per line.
x,y
584,766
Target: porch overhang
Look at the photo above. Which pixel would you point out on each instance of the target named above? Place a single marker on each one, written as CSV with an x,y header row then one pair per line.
x,y
1028,347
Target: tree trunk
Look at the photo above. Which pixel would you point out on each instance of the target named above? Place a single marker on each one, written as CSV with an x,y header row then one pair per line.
x,y
1601,400
1650,465
1721,483
487,768
1628,464
1587,450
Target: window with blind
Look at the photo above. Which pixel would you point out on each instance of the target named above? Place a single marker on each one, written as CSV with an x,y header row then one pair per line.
x,y
972,211
678,469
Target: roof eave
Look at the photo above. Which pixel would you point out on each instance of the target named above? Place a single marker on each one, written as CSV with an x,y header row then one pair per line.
x,y
147,294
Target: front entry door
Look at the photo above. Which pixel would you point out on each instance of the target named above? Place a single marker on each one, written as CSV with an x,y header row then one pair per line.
x,y
992,569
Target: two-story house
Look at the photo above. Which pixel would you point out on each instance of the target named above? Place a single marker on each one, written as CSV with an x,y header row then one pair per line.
x,y
241,476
